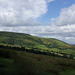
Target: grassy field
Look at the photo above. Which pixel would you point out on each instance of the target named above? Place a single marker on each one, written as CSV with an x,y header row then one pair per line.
x,y
37,43
13,62
45,56
26,40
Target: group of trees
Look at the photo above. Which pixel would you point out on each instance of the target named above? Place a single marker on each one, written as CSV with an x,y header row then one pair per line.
x,y
14,48
35,50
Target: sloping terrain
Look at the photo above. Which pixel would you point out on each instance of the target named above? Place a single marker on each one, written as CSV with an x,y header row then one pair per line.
x,y
37,43
23,54
26,40
14,62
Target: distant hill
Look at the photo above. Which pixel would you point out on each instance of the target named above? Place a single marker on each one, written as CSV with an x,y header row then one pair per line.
x,y
37,43
73,44
26,40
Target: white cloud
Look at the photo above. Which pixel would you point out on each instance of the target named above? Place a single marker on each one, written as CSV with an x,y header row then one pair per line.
x,y
67,16
21,16
50,0
53,19
68,38
21,12
62,32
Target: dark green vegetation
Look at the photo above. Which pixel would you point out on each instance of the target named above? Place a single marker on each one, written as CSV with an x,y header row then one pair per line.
x,y
47,45
15,62
23,54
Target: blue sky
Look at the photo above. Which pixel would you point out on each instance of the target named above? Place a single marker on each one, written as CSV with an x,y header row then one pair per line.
x,y
54,9
43,18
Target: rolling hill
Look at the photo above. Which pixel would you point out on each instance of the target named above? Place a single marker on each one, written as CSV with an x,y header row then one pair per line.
x,y
23,54
37,43
26,40
14,62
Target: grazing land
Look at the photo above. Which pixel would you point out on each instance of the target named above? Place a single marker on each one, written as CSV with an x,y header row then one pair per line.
x,y
23,54
14,62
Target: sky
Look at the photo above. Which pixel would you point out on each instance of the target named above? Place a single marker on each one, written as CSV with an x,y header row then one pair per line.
x,y
42,18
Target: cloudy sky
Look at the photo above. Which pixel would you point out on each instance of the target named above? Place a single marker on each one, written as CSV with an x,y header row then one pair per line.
x,y
43,18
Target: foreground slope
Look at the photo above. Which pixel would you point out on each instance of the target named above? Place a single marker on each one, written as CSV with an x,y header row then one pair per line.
x,y
14,62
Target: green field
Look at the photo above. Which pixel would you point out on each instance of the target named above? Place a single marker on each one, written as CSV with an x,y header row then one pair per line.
x,y
23,54
37,43
14,62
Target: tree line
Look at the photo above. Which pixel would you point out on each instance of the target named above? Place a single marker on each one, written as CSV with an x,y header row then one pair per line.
x,y
35,50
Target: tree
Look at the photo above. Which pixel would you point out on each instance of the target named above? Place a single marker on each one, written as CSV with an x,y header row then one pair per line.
x,y
71,56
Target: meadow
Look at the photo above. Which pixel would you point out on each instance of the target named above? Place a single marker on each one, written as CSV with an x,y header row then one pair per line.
x,y
23,54
14,62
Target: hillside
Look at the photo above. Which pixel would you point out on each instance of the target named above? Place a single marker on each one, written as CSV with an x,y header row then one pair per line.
x,y
14,62
23,54
19,39
37,43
